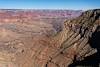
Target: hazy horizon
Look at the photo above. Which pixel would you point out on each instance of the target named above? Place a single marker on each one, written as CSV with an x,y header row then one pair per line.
x,y
50,4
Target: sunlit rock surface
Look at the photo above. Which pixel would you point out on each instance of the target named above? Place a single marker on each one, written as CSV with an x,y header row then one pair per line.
x,y
39,44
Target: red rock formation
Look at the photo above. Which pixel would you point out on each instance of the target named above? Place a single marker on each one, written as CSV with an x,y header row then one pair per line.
x,y
28,15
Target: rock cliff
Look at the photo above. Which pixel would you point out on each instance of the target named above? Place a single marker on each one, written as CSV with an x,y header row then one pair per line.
x,y
78,40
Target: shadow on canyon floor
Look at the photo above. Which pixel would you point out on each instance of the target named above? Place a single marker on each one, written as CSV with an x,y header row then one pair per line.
x,y
93,60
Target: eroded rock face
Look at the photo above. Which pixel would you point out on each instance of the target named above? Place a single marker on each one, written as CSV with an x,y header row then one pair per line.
x,y
20,48
79,39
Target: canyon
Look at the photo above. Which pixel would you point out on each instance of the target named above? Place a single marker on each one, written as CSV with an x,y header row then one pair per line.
x,y
49,38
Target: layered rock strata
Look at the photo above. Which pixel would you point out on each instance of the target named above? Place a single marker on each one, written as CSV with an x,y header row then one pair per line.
x,y
78,40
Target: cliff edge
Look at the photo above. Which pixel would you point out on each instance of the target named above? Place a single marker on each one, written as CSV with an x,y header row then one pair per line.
x,y
79,39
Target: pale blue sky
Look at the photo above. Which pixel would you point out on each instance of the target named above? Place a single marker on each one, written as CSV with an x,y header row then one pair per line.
x,y
50,4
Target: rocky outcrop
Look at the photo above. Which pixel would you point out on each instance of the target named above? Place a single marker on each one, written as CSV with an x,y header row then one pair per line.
x,y
74,42
78,39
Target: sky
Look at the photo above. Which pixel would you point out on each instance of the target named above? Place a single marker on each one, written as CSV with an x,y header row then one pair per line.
x,y
50,4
